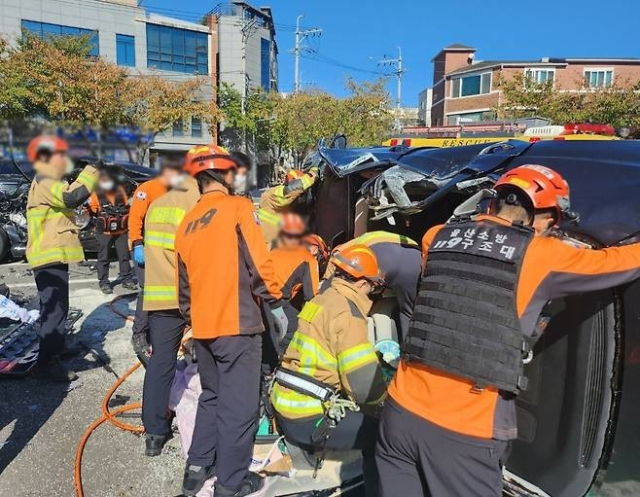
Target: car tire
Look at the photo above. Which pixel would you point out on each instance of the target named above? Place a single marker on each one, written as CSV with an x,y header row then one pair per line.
x,y
5,244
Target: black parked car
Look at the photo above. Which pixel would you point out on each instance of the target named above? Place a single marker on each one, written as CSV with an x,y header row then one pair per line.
x,y
578,421
14,187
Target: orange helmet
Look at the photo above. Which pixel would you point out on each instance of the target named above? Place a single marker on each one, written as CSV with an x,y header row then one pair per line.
x,y
358,261
44,143
292,175
317,241
545,187
292,224
208,158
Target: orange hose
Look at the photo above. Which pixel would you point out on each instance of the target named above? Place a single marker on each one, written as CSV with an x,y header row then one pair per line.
x,y
116,311
108,415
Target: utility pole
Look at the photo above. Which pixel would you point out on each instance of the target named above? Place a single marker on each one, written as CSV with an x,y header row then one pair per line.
x,y
248,28
398,72
301,35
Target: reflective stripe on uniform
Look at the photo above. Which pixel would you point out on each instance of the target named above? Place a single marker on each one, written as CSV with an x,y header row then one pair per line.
x,y
87,179
160,293
57,189
356,357
268,217
309,312
165,215
378,237
309,348
280,196
60,254
289,402
36,218
160,239
307,181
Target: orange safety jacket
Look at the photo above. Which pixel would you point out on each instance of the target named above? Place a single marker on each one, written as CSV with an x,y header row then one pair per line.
x,y
94,206
550,269
296,269
144,195
223,267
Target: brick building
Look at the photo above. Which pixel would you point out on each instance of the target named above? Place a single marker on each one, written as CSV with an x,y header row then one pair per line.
x,y
466,90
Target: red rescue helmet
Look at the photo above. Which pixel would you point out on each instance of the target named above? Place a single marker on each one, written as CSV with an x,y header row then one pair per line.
x,y
317,241
292,224
543,186
48,144
358,261
208,158
292,175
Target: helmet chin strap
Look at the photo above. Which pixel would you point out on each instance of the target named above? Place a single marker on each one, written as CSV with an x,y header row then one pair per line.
x,y
218,177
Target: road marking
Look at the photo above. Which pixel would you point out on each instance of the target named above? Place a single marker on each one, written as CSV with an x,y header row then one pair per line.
x,y
23,285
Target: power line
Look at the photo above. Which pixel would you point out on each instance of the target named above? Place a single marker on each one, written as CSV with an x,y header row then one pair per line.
x,y
328,60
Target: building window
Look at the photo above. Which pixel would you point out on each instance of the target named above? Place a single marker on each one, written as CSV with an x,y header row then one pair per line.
x,y
466,86
539,76
265,64
469,117
178,128
46,30
598,78
196,127
126,50
180,50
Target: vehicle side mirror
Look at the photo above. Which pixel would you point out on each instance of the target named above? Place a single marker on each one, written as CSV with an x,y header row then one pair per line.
x,y
339,142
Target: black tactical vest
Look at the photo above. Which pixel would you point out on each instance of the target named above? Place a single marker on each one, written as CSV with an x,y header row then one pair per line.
x,y
465,320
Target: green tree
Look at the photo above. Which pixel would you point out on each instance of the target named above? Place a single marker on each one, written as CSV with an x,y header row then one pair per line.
x,y
56,80
617,105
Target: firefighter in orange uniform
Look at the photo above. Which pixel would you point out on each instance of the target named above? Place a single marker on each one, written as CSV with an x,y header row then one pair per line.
x,y
277,200
451,413
145,194
296,270
166,324
223,268
109,204
53,244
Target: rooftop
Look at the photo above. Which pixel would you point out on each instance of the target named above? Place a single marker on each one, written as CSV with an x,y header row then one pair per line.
x,y
543,62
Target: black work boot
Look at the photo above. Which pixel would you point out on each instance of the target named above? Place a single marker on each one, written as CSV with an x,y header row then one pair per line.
x,y
252,483
195,477
55,371
154,444
105,287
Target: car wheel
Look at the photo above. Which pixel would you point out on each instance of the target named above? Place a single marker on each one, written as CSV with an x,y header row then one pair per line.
x,y
5,244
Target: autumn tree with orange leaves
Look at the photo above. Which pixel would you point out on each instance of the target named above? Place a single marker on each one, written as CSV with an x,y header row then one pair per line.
x,y
56,80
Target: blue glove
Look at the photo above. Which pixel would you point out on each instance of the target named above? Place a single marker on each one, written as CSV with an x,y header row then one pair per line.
x,y
281,321
138,255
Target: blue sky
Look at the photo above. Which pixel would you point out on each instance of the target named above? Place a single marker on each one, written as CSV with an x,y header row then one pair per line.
x,y
358,33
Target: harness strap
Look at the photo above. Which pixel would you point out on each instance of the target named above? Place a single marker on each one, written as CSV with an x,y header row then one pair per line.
x,y
305,385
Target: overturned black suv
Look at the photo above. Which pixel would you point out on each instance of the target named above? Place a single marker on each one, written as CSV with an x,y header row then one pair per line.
x,y
578,420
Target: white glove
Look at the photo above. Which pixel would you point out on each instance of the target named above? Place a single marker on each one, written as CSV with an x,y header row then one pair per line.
x,y
33,316
281,321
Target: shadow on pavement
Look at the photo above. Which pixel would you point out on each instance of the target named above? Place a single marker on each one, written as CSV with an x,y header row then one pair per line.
x,y
26,404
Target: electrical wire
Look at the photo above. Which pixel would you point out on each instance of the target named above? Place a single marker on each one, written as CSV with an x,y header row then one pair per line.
x,y
328,60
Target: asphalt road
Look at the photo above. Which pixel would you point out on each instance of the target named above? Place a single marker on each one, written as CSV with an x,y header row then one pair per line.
x,y
42,423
